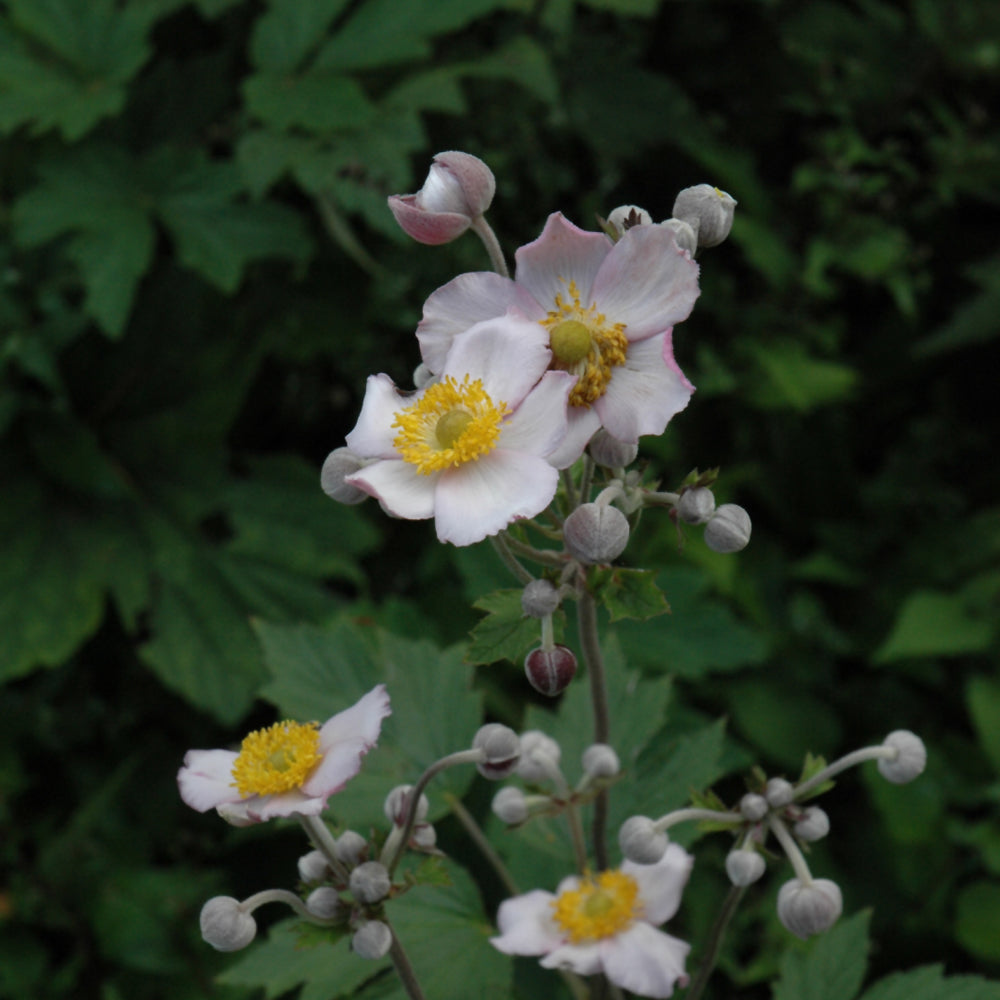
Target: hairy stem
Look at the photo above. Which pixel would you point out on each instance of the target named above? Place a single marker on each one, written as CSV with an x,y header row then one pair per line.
x,y
403,966
715,942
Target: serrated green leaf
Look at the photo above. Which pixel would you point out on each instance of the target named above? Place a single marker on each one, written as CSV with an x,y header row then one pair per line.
x,y
628,593
930,983
794,380
315,101
833,966
289,31
506,633
932,623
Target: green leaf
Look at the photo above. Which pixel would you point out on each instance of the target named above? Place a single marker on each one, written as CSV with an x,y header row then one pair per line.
x,y
930,983
977,919
289,31
506,633
932,623
794,380
628,593
982,696
317,101
831,968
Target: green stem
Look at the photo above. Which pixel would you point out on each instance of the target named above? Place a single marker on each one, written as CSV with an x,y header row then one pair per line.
x,y
483,230
715,942
403,966
323,841
475,831
508,558
576,833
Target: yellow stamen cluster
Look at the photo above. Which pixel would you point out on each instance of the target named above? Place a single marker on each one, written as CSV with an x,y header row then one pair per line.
x,y
277,759
604,905
594,361
451,424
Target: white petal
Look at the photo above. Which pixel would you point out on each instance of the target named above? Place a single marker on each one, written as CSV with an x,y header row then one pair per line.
x,y
661,885
206,779
481,498
539,424
583,959
646,282
463,302
290,803
582,422
509,355
373,434
645,961
401,489
526,925
563,253
645,392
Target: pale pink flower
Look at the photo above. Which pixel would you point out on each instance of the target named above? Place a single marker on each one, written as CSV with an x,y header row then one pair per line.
x,y
606,923
288,768
608,310
470,449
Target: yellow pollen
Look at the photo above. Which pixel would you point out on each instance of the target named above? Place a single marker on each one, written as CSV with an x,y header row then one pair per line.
x,y
451,424
592,353
277,759
604,905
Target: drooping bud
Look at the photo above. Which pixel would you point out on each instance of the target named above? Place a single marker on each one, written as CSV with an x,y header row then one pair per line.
x,y
814,824
753,807
728,530
540,755
313,867
809,909
225,925
600,761
744,866
351,848
687,238
778,793
339,464
509,805
424,836
596,533
372,939
325,903
397,803
696,505
549,671
370,882
641,842
606,450
423,376
708,211
910,761
501,750
458,190
624,217
539,598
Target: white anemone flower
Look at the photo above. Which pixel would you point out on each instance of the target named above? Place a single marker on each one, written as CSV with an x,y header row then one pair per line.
x,y
470,449
608,310
606,923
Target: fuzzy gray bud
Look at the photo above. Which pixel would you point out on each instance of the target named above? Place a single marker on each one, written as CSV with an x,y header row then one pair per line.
x,y
397,804
910,760
540,755
225,925
696,505
728,530
809,909
687,238
596,533
351,848
313,867
370,882
326,904
509,805
753,807
814,824
624,217
339,464
641,842
501,750
372,940
606,450
744,866
539,598
600,761
778,793
708,211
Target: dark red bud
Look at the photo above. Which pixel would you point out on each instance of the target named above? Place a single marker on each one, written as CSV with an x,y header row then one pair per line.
x,y
550,670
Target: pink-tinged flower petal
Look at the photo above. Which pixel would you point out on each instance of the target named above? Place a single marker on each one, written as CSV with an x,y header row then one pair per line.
x,y
582,424
481,498
290,803
344,740
430,228
468,181
508,354
398,487
583,959
563,253
373,434
644,393
206,779
661,885
646,282
463,302
645,961
526,926
236,814
539,424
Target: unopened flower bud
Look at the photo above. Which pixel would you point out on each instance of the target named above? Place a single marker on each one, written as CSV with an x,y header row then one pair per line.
x,y
753,807
339,464
351,848
600,761
509,805
696,505
424,836
423,376
687,238
708,211
370,882
809,909
313,867
728,530
606,450
397,804
458,190
372,940
549,671
596,533
225,925
624,217
539,598
326,904
910,761
540,754
814,824
744,866
778,793
501,750
641,842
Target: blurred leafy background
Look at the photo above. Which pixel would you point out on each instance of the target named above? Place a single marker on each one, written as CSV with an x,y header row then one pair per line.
x,y
199,271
